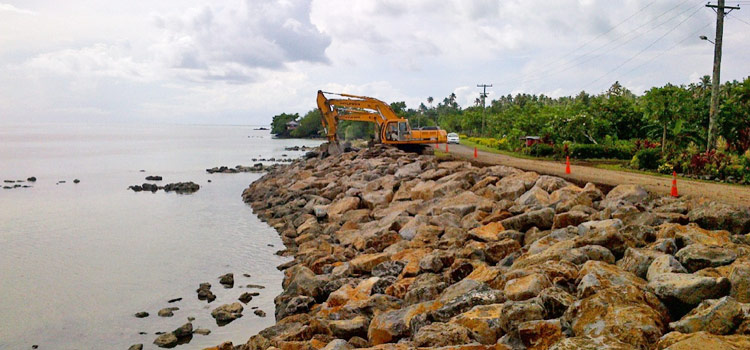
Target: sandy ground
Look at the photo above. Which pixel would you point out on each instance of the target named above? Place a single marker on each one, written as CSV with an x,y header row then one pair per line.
x,y
737,195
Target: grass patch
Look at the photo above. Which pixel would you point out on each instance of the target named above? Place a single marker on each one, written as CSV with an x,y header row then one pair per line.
x,y
503,152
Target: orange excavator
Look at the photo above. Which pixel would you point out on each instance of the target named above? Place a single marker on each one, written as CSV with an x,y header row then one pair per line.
x,y
392,129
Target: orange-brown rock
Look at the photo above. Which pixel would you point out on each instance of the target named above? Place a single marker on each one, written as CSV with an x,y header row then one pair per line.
x,y
632,315
483,321
526,287
541,334
487,233
703,341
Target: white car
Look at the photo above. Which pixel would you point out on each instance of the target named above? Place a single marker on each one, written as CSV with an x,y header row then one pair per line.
x,y
453,138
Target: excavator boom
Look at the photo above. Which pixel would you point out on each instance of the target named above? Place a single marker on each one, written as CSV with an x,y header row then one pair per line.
x,y
392,128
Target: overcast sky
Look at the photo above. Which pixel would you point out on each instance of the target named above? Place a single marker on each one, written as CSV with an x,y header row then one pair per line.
x,y
242,61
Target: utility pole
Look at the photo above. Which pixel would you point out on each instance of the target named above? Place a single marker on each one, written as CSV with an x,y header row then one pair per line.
x,y
483,95
716,80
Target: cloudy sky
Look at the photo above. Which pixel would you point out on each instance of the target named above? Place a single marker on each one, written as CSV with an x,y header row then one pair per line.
x,y
242,61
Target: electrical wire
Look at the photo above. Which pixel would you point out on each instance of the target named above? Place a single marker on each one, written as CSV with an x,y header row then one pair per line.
x,y
691,36
642,51
575,63
739,19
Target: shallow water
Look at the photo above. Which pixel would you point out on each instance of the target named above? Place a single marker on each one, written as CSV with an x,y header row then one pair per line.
x,y
78,260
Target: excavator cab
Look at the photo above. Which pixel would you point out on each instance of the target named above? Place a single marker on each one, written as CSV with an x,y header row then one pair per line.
x,y
397,131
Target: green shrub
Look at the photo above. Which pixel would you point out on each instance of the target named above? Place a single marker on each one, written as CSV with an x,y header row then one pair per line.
x,y
649,158
541,150
591,151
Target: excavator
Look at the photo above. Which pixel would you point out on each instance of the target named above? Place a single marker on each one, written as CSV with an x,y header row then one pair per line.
x,y
392,129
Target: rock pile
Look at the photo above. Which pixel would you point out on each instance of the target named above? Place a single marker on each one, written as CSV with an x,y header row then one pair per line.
x,y
396,251
178,187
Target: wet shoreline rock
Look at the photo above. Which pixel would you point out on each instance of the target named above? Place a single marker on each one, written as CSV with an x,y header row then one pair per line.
x,y
399,251
177,187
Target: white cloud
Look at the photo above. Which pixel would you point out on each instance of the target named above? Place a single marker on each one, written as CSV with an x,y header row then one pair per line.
x,y
11,8
245,60
231,42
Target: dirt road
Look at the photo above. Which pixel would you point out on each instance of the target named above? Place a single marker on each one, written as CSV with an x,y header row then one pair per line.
x,y
737,195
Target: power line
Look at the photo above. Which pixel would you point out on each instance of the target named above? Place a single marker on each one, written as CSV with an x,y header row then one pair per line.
x,y
574,64
642,51
544,72
691,36
605,33
739,19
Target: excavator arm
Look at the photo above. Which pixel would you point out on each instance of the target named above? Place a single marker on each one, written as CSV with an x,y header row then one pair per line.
x,y
393,129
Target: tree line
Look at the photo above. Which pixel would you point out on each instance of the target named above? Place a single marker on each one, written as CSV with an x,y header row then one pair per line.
x,y
671,118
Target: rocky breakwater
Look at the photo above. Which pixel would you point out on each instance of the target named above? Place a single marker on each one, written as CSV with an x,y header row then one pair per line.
x,y
397,251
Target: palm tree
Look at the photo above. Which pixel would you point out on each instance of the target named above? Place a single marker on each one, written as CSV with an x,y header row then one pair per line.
x,y
429,101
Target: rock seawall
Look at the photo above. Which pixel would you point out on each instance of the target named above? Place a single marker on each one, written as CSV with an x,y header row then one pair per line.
x,y
394,250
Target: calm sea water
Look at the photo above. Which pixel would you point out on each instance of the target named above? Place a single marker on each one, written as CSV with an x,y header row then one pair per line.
x,y
78,260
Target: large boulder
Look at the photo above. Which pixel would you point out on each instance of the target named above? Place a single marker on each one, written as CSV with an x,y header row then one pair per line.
x,y
699,256
540,334
627,313
664,264
719,216
442,334
543,219
462,296
703,341
681,292
637,260
534,197
483,321
526,287
720,316
625,194
739,276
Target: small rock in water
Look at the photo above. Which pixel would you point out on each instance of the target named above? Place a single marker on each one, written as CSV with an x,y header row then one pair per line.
x,y
227,313
209,180
143,171
76,181
260,313
31,179
185,330
168,311
191,318
227,280
166,340
257,286
136,347
141,314
142,333
61,182
246,298
174,300
202,331
204,292
247,275
153,178
35,346
9,181
159,333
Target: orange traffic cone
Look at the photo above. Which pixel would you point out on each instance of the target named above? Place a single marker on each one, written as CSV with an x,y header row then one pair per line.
x,y
674,184
475,153
446,147
437,143
567,165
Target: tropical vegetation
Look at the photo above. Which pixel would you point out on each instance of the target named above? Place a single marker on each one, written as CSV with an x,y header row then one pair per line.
x,y
665,129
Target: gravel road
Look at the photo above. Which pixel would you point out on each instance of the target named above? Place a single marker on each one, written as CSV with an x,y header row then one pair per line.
x,y
737,195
